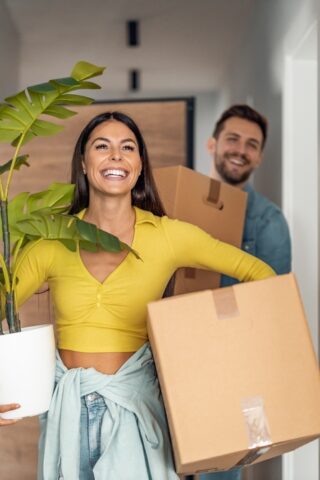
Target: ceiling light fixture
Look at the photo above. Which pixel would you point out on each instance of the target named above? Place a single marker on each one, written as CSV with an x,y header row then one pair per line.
x,y
134,80
133,39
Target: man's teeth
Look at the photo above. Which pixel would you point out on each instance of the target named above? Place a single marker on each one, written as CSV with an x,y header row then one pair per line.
x,y
237,161
114,172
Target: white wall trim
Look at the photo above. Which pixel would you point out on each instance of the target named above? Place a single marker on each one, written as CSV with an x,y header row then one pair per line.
x,y
300,163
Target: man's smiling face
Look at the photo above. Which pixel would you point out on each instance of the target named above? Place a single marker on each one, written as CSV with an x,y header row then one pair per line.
x,y
237,151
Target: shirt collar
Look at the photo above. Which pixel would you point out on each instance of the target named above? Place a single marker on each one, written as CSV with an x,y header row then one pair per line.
x,y
142,216
248,188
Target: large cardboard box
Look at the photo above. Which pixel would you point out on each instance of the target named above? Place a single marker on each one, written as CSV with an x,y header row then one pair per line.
x,y
216,207
238,373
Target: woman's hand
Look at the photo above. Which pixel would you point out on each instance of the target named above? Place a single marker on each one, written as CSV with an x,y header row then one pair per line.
x,y
7,408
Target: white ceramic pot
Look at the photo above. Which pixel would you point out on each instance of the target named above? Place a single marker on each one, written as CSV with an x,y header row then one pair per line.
x,y
27,370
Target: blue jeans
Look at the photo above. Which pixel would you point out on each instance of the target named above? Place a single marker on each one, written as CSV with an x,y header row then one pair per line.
x,y
93,409
234,474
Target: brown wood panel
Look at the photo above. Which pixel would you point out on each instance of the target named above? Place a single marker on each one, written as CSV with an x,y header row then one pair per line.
x,y
163,125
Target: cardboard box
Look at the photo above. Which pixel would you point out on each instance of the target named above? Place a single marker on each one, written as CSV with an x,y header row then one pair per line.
x,y
238,373
216,207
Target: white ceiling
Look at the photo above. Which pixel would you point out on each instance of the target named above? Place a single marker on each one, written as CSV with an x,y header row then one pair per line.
x,y
186,45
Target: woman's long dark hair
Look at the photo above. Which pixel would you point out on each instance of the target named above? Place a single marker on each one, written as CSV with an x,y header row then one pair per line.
x,y
144,194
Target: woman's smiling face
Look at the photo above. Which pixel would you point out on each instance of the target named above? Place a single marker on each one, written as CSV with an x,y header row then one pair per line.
x,y
112,160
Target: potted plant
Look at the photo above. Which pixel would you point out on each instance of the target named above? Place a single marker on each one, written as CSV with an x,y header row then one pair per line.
x,y
27,355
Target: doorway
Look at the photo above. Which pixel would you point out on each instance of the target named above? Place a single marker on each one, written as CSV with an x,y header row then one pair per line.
x,y
300,203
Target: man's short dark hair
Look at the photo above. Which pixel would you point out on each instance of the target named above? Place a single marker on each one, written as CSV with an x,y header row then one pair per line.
x,y
245,112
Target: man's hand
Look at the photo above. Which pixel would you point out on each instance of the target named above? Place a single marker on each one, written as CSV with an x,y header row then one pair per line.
x,y
7,408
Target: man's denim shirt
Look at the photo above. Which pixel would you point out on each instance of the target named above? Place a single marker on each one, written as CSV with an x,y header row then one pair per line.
x,y
266,234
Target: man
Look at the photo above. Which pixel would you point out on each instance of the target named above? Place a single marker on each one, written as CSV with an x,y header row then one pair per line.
x,y
237,148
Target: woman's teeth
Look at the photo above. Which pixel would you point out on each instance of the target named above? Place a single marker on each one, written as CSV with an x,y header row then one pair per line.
x,y
114,173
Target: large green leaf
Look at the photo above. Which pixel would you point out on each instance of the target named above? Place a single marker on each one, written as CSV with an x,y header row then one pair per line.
x,y
44,215
90,233
84,70
56,199
69,230
21,112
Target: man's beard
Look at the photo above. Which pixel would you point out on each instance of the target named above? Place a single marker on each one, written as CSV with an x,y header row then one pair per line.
x,y
230,177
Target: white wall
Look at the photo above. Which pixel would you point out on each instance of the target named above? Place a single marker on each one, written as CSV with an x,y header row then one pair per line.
x,y
180,45
207,109
9,53
258,72
300,195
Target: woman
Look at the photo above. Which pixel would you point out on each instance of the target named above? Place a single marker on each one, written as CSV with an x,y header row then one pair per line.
x,y
106,419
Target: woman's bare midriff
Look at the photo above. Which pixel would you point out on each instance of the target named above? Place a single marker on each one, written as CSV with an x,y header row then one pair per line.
x,y
104,362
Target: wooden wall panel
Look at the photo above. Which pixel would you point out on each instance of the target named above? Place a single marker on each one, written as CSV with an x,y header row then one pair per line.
x,y
163,125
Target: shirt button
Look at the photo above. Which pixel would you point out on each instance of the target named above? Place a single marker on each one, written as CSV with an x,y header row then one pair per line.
x,y
99,296
91,397
246,247
98,304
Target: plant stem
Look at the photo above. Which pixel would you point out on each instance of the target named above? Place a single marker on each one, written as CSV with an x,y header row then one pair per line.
x,y
5,233
10,303
10,308
1,190
1,328
16,153
10,313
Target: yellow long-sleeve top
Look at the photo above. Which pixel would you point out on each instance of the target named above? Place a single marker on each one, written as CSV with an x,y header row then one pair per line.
x,y
111,316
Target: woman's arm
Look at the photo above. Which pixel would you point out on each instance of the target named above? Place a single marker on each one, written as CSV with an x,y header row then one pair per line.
x,y
192,247
32,268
